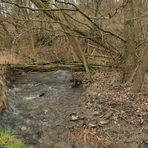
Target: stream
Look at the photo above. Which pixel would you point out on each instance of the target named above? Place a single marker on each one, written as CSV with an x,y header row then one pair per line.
x,y
40,105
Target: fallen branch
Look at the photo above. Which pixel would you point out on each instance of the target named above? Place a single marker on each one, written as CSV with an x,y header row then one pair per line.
x,y
140,93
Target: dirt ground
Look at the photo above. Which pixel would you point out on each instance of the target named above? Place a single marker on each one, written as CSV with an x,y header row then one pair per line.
x,y
118,118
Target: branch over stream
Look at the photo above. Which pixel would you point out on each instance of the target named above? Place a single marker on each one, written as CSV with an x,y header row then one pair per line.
x,y
74,67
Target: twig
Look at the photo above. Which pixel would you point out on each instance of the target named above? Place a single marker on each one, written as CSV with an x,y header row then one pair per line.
x,y
140,93
37,9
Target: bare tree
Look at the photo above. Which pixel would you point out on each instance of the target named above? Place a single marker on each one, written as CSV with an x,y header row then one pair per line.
x,y
114,30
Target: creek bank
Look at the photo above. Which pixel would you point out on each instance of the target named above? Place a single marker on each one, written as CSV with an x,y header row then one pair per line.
x,y
50,113
120,117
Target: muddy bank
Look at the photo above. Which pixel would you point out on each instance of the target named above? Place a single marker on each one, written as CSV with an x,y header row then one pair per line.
x,y
3,89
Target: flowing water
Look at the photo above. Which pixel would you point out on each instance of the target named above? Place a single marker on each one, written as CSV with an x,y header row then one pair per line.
x,y
39,109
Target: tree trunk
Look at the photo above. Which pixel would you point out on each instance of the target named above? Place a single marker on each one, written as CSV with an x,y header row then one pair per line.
x,y
140,73
141,67
135,62
130,58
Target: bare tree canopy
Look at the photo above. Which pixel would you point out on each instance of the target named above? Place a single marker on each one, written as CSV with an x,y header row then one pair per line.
x,y
115,31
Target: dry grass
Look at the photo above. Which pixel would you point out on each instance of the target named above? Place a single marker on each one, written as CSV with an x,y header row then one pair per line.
x,y
9,58
86,138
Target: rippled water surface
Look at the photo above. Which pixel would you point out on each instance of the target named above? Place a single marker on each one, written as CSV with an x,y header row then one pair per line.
x,y
39,107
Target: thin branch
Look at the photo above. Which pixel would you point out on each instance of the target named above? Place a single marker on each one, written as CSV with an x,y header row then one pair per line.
x,y
37,9
78,21
90,20
117,9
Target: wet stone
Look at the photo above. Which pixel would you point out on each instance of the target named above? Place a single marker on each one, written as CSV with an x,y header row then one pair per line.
x,y
104,122
93,124
23,128
28,121
74,117
95,113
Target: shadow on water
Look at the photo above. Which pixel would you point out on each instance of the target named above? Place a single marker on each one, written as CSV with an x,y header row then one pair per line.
x,y
39,107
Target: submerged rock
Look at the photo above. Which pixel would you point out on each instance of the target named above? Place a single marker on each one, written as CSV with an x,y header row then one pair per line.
x,y
75,83
23,128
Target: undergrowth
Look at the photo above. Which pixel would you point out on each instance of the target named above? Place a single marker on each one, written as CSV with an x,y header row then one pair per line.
x,y
7,140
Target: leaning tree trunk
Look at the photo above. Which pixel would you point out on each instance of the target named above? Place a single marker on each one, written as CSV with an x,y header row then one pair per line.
x,y
67,29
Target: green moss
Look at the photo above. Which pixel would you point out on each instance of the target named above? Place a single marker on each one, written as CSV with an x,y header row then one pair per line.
x,y
118,115
7,140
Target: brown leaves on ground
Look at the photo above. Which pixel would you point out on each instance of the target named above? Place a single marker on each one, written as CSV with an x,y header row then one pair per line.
x,y
107,89
127,122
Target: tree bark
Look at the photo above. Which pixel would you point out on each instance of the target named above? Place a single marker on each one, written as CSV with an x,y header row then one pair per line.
x,y
130,58
140,73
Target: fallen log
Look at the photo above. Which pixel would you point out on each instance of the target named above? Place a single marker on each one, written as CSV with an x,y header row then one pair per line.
x,y
75,67
44,68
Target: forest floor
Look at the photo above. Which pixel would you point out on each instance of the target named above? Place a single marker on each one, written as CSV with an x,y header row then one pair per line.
x,y
119,118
